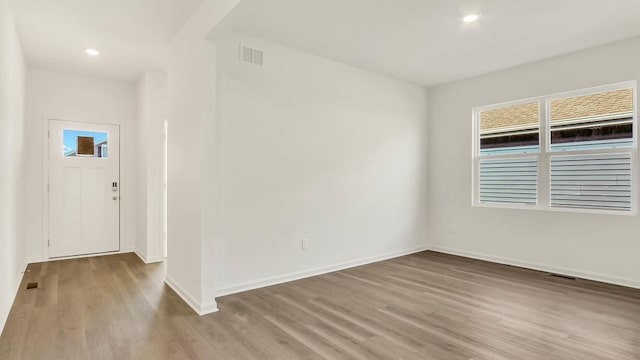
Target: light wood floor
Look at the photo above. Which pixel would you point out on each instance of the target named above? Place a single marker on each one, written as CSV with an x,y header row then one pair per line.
x,y
423,306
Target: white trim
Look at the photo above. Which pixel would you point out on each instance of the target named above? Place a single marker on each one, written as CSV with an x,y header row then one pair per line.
x,y
200,309
4,315
590,90
544,159
610,119
45,189
42,260
151,260
275,280
508,130
209,308
570,93
501,105
514,206
541,267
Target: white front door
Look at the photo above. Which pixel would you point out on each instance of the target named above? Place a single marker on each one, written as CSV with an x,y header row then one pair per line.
x,y
84,188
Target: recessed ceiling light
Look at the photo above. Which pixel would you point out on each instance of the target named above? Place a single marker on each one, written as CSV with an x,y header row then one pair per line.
x,y
92,52
471,18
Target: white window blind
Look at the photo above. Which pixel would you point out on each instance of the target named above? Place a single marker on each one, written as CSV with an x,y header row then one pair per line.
x,y
512,181
598,181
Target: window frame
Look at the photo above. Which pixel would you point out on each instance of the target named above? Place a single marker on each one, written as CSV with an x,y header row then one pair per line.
x,y
544,152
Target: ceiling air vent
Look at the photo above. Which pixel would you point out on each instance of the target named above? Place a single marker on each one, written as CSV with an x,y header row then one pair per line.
x,y
251,56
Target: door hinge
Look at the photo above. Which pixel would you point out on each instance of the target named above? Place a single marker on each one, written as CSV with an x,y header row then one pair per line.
x,y
48,133
47,188
48,242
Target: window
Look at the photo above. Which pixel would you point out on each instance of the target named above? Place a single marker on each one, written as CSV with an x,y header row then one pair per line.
x,y
78,143
573,151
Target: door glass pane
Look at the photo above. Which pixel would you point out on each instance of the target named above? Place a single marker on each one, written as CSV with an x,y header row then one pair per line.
x,y
79,143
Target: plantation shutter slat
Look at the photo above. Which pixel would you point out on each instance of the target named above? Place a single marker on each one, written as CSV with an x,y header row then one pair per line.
x,y
597,181
509,181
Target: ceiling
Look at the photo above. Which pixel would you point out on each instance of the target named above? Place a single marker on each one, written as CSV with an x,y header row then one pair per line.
x,y
425,41
132,35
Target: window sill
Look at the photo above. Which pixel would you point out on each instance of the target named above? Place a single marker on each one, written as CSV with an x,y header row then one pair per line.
x,y
633,212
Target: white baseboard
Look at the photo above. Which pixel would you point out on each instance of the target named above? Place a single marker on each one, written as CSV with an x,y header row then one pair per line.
x,y
200,309
151,260
41,260
4,315
275,280
541,267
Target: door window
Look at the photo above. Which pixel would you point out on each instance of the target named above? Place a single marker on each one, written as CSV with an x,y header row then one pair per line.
x,y
78,143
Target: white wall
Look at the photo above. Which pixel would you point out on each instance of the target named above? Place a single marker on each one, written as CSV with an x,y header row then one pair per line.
x,y
78,98
305,147
12,250
150,157
313,149
602,247
191,92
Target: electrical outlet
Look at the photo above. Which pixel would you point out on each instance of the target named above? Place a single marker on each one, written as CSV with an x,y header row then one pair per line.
x,y
305,244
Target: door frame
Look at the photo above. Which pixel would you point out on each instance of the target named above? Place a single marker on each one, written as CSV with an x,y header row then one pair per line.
x,y
45,189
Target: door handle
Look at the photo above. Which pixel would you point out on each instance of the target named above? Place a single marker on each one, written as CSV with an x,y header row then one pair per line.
x,y
115,198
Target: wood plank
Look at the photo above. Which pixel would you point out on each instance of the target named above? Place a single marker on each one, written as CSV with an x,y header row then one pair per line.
x,y
422,306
